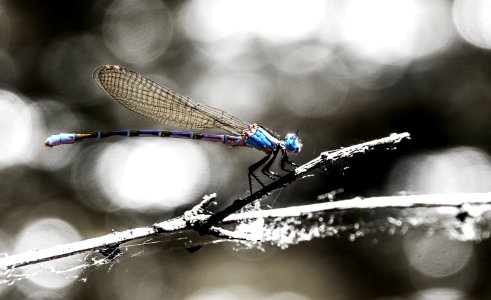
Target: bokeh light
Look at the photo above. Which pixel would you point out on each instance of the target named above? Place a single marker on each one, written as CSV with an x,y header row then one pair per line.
x,y
68,64
462,169
273,20
138,32
394,32
44,233
315,81
284,21
152,175
203,20
287,295
226,292
439,293
472,19
152,285
238,93
436,256
225,31
16,129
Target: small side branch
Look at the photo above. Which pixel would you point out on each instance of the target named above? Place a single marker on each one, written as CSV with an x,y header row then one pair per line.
x,y
457,200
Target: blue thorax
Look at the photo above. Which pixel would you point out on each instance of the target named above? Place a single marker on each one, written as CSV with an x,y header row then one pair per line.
x,y
262,140
259,138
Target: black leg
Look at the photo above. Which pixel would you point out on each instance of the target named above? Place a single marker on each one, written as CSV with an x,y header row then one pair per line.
x,y
253,168
266,170
286,160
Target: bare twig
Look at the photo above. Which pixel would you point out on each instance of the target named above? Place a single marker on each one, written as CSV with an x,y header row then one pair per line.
x,y
459,200
179,224
196,219
334,157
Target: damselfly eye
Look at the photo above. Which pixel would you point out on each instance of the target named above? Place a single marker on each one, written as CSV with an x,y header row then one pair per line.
x,y
293,143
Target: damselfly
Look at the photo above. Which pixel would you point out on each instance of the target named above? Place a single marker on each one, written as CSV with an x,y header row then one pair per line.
x,y
163,105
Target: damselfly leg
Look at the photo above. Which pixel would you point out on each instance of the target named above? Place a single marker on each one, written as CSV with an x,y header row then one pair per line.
x,y
253,168
285,160
266,169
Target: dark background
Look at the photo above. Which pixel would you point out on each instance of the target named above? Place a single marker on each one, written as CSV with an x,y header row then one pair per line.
x,y
340,72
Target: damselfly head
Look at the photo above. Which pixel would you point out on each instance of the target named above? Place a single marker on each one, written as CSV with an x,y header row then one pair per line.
x,y
292,142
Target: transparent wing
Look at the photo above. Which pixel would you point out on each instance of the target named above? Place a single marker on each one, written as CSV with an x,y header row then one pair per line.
x,y
161,104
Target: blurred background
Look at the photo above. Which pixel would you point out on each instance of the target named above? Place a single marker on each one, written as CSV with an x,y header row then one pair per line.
x,y
340,72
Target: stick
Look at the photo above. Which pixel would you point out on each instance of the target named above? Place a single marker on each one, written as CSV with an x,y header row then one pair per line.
x,y
458,200
196,219
335,157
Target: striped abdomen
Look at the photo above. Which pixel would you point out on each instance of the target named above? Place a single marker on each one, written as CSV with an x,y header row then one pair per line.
x,y
70,138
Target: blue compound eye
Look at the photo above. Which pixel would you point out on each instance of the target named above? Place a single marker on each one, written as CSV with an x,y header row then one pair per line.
x,y
293,143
